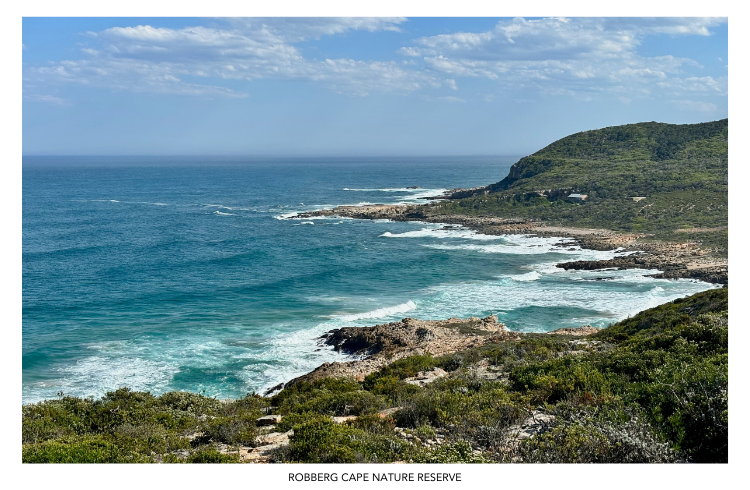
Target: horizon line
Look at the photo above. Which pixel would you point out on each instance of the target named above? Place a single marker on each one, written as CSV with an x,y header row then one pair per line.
x,y
219,155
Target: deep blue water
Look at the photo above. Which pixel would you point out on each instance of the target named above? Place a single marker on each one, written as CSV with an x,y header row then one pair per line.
x,y
184,274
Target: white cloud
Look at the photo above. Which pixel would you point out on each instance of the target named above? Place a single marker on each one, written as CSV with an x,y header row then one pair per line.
x,y
694,106
293,29
48,99
449,99
164,60
566,56
707,85
582,58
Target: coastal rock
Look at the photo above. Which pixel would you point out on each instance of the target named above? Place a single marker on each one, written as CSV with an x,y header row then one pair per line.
x,y
382,344
388,412
268,420
537,423
426,377
675,260
276,438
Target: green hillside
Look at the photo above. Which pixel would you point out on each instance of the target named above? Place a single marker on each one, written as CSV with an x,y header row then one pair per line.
x,y
680,170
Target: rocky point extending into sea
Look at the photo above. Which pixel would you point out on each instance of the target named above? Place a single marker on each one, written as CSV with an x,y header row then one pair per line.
x,y
675,260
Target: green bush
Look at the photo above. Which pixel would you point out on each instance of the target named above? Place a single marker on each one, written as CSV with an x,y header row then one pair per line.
x,y
455,401
596,441
688,403
565,378
323,441
459,452
293,419
407,367
329,396
79,450
212,456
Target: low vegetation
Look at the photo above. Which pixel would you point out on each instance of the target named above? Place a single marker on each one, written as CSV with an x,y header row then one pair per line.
x,y
652,388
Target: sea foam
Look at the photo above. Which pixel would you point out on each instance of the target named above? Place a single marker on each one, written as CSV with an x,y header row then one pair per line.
x,y
379,313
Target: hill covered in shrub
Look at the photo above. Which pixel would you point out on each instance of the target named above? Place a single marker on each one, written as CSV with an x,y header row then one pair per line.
x,y
666,180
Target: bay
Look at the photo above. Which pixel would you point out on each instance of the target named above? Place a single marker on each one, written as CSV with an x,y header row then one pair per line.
x,y
185,273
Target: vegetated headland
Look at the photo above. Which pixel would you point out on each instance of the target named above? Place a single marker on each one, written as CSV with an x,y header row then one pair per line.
x,y
659,190
651,388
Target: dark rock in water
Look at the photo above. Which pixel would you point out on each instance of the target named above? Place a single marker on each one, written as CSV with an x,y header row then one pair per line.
x,y
413,187
671,269
274,389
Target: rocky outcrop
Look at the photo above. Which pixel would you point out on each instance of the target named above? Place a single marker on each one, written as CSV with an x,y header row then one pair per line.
x,y
674,260
382,344
268,420
686,263
424,378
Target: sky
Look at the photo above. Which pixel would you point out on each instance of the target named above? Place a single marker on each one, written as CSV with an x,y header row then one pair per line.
x,y
359,86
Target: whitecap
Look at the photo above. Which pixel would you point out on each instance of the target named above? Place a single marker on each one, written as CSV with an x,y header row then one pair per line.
x,y
443,233
379,313
529,276
95,375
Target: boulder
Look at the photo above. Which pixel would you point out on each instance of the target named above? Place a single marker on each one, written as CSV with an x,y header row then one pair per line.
x,y
426,377
268,420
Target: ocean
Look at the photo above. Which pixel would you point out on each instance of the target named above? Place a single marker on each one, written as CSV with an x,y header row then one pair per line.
x,y
186,273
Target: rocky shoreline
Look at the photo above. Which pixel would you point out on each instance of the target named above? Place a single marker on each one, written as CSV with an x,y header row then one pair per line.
x,y
380,345
675,260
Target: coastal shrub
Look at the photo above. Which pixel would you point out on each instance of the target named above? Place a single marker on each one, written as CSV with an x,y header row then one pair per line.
x,y
688,403
566,377
46,420
234,422
235,429
88,449
148,438
323,441
192,403
374,424
424,432
329,396
458,452
682,175
393,388
510,354
212,456
407,367
289,421
678,312
590,440
454,401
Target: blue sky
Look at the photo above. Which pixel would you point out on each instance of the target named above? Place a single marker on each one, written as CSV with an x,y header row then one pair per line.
x,y
359,86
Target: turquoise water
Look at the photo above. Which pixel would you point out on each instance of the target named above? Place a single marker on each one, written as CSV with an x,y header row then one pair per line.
x,y
185,274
